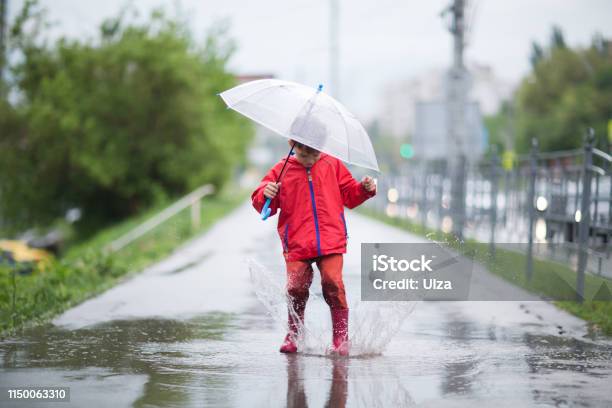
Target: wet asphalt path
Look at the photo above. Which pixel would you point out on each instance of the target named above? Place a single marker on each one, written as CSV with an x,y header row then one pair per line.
x,y
190,332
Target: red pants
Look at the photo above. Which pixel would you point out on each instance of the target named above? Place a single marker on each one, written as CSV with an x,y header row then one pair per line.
x,y
299,278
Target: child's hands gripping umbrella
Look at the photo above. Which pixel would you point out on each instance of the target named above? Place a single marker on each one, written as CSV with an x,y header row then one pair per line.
x,y
272,189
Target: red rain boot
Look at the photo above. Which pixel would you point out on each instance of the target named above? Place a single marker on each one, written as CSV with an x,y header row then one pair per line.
x,y
340,331
290,343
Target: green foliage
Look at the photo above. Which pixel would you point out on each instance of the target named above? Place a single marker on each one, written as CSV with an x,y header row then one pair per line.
x,y
87,270
567,91
597,313
32,296
115,124
499,127
537,53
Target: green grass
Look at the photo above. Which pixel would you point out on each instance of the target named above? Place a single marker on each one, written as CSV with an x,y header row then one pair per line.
x,y
86,270
549,279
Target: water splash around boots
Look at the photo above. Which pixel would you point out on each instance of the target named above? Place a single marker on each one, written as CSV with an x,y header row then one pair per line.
x,y
372,325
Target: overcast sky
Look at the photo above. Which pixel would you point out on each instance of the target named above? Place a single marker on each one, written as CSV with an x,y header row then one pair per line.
x,y
379,40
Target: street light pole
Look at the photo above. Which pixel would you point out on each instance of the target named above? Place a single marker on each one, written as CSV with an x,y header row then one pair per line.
x,y
458,84
334,14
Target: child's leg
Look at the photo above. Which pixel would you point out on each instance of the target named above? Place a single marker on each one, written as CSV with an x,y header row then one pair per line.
x,y
331,280
334,294
299,278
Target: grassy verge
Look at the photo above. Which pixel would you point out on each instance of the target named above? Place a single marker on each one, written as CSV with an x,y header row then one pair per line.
x,y
86,270
549,279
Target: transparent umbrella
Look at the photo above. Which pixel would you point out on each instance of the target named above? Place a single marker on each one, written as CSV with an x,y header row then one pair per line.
x,y
306,115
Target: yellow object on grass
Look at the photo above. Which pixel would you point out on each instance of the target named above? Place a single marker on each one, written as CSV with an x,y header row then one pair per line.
x,y
508,158
21,252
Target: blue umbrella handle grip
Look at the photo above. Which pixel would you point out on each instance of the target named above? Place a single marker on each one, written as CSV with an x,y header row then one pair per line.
x,y
266,210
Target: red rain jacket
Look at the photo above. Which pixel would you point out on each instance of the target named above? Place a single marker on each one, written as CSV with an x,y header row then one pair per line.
x,y
312,201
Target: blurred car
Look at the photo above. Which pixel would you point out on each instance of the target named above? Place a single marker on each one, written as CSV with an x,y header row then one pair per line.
x,y
21,256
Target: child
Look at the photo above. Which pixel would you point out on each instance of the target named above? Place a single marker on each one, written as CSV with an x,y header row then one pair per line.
x,y
315,189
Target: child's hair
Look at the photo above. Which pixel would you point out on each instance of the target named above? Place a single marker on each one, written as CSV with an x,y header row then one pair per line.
x,y
302,146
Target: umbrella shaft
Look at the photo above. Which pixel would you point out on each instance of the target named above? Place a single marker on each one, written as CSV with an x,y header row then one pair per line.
x,y
285,164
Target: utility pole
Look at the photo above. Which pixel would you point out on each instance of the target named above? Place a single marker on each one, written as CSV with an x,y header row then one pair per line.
x,y
334,20
3,29
456,102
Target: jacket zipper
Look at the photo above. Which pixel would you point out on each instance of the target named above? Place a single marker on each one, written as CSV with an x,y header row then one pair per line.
x,y
286,238
314,211
344,222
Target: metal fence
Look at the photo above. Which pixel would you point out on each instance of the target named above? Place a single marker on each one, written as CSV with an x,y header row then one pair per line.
x,y
553,198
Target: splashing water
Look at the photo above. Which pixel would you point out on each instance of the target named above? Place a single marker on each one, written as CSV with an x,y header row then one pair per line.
x,y
372,325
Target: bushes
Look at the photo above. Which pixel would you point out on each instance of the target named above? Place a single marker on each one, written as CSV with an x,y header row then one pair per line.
x,y
86,270
114,124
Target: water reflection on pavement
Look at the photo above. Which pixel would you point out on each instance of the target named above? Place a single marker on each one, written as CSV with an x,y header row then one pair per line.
x,y
212,344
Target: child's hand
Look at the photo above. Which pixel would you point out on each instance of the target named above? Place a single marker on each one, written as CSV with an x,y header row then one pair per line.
x,y
271,190
368,183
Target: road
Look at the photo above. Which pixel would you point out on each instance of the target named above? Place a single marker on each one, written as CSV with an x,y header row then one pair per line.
x,y
190,331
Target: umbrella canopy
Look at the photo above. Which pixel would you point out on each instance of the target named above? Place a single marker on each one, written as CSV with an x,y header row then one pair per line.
x,y
306,115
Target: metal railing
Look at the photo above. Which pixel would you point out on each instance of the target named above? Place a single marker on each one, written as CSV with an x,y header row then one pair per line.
x,y
193,200
558,197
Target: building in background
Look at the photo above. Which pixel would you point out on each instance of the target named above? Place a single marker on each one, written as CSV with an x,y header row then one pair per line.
x,y
397,116
430,137
400,98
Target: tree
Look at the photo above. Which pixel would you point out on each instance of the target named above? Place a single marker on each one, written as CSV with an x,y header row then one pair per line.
x,y
112,125
567,91
500,128
537,53
557,40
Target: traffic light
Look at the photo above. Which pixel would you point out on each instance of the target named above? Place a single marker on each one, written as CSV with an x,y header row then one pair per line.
x,y
406,151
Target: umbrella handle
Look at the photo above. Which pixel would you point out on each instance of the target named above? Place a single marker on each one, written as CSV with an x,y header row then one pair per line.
x,y
266,210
